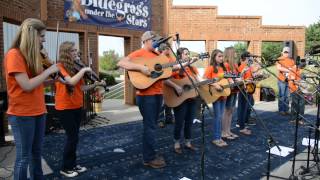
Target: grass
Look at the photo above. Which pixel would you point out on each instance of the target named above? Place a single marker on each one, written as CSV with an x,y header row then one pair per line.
x,y
272,81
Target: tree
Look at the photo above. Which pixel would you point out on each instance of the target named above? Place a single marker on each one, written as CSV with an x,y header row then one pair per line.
x,y
312,35
240,47
109,60
271,51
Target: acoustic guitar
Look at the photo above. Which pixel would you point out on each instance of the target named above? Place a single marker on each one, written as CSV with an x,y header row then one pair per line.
x,y
171,97
160,68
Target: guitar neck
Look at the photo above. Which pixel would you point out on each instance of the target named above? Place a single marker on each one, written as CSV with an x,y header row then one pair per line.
x,y
173,63
208,81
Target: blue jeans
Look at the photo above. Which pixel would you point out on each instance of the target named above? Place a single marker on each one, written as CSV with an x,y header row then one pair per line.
x,y
283,102
184,115
28,132
297,105
149,107
244,108
218,108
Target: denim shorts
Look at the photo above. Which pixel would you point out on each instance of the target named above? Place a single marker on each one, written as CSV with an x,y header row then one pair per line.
x,y
231,100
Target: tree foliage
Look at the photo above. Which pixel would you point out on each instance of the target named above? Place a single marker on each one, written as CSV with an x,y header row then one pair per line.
x,y
240,47
109,60
312,35
271,51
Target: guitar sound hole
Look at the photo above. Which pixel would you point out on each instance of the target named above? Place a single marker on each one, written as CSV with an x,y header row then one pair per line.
x,y
158,67
155,74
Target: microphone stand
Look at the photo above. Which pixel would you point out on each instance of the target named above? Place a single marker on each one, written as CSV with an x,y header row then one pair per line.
x,y
270,139
203,107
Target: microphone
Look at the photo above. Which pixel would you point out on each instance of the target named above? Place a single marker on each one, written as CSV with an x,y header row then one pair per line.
x,y
178,39
157,43
222,75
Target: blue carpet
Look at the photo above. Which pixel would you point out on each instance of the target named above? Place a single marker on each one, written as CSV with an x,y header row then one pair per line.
x,y
244,158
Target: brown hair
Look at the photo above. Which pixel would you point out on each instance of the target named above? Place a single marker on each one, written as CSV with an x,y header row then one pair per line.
x,y
213,61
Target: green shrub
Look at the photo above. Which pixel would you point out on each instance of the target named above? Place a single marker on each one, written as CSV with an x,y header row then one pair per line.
x,y
110,80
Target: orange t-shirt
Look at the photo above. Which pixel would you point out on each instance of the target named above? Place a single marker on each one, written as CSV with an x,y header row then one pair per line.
x,y
154,89
248,73
210,74
286,63
63,100
22,103
294,76
192,73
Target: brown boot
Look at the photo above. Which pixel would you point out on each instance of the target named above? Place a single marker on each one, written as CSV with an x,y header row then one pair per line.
x,y
156,163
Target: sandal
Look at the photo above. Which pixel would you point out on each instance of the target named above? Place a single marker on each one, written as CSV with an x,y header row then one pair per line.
x,y
229,137
245,131
219,143
233,135
191,147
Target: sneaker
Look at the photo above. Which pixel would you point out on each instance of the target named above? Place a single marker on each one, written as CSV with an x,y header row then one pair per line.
x,y
80,169
70,173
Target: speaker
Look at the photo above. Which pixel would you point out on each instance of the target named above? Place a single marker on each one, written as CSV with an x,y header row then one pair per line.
x,y
291,45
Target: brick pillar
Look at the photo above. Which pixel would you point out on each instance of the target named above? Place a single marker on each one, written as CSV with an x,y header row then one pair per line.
x,y
92,44
300,46
254,47
129,90
210,46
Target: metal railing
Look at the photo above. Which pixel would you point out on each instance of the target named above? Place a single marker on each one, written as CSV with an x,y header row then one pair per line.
x,y
115,92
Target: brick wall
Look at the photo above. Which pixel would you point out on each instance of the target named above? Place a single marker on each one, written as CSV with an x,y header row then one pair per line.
x,y
14,11
204,23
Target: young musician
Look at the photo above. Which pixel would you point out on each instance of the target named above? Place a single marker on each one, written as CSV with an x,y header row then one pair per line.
x,y
215,68
69,103
284,66
167,111
27,110
246,70
185,112
149,100
232,64
296,86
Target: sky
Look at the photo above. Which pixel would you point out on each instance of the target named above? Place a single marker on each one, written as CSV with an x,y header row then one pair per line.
x,y
273,12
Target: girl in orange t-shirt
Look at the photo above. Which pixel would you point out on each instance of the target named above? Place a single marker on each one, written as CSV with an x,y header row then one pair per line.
x,y
68,103
26,109
215,68
231,64
186,111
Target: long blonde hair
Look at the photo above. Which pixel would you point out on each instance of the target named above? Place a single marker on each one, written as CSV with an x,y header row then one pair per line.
x,y
65,57
230,58
27,41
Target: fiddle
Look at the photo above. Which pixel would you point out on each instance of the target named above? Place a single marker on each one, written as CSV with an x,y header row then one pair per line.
x,y
92,76
46,63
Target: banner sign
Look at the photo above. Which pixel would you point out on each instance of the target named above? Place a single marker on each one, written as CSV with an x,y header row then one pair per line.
x,y
130,14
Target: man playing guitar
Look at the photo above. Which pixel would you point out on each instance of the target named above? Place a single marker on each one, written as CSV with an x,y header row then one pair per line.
x,y
149,100
284,66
